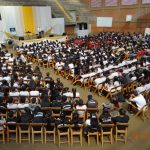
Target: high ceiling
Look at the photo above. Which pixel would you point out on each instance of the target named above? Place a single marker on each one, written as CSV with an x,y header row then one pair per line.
x,y
60,8
25,2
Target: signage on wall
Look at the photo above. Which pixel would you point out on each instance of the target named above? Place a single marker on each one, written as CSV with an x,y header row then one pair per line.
x,y
12,30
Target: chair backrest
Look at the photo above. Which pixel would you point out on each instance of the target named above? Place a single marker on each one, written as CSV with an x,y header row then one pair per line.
x,y
107,127
121,126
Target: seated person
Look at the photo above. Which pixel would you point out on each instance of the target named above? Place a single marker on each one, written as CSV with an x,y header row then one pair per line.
x,y
38,115
137,101
33,104
105,117
26,117
80,107
91,103
2,122
49,120
11,104
75,119
12,119
122,118
91,124
3,105
22,103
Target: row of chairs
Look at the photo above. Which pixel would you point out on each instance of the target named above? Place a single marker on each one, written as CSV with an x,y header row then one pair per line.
x,y
68,132
56,111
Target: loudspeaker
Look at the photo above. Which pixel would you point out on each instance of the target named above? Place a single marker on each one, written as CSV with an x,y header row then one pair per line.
x,y
85,26
80,26
51,35
39,36
64,34
21,38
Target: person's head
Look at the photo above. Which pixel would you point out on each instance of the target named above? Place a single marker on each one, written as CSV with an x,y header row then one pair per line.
x,y
80,102
64,98
47,74
10,100
37,109
10,114
48,114
1,99
27,110
45,98
135,93
122,111
22,99
90,97
33,100
75,116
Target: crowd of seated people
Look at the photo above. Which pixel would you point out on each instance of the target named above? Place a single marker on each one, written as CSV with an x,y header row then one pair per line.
x,y
109,59
117,59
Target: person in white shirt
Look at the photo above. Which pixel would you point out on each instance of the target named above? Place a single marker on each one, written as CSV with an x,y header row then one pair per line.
x,y
81,108
138,100
22,103
11,104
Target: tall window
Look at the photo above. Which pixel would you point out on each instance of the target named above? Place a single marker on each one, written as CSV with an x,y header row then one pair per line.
x,y
129,2
96,3
145,1
111,2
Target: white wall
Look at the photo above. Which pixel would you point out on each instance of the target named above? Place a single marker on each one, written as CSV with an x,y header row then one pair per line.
x,y
42,17
82,32
11,18
58,26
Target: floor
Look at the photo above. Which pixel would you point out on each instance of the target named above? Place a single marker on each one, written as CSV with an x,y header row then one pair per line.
x,y
138,134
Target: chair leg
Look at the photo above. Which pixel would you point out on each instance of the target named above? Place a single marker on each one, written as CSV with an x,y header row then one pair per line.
x,y
102,139
32,137
68,138
116,137
45,137
88,140
20,137
97,139
59,140
111,138
42,137
16,137
8,137
29,137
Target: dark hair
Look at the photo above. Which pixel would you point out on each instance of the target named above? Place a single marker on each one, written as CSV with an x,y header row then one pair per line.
x,y
64,98
90,97
33,99
10,100
22,99
80,102
135,93
10,114
122,111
